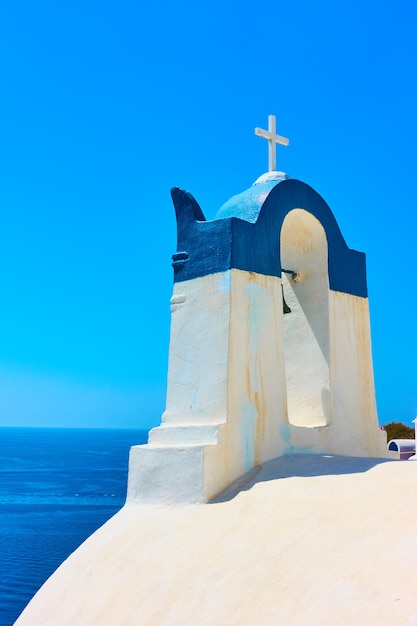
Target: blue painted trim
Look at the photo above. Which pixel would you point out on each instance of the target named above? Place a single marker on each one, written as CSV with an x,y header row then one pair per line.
x,y
254,246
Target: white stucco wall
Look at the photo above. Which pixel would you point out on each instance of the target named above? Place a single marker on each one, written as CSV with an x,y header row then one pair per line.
x,y
198,351
172,466
257,393
353,387
226,390
353,428
256,402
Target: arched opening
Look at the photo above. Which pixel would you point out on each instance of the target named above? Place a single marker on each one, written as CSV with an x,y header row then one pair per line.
x,y
304,262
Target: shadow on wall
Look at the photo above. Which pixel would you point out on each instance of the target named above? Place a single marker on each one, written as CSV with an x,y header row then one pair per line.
x,y
301,465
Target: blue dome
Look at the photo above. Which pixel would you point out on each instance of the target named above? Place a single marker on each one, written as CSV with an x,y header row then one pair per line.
x,y
247,204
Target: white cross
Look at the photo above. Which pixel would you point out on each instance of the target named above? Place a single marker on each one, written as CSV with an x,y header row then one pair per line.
x,y
273,139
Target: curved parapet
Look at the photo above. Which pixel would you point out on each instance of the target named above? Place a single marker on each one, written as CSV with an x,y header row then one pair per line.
x,y
246,235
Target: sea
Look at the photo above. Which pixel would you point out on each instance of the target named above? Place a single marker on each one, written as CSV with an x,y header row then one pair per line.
x,y
57,486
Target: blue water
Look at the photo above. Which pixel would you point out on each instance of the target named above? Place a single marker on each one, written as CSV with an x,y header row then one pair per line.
x,y
57,486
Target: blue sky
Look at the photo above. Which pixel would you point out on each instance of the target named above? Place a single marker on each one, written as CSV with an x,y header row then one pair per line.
x,y
105,106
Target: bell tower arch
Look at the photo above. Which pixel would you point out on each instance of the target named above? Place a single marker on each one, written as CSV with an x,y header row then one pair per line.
x,y
306,324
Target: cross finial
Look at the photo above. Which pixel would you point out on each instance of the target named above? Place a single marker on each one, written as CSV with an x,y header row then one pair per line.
x,y
273,139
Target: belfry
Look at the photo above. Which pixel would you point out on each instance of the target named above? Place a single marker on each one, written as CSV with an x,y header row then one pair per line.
x,y
270,348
